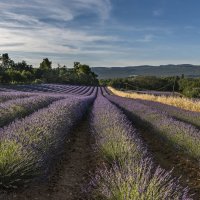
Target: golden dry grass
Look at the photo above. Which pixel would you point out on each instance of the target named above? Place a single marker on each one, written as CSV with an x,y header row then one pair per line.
x,y
181,102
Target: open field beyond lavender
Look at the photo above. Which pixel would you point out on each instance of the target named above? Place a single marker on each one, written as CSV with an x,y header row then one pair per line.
x,y
67,142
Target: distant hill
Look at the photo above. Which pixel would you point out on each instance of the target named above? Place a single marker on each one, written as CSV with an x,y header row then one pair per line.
x,y
162,70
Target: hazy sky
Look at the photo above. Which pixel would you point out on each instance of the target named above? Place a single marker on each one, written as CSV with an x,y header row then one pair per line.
x,y
101,32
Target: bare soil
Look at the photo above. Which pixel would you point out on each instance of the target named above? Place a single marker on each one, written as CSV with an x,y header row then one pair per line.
x,y
70,175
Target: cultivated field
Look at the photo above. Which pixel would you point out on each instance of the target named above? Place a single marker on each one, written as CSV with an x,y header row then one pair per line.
x,y
66,142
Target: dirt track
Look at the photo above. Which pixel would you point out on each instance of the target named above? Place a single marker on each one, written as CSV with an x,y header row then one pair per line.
x,y
71,173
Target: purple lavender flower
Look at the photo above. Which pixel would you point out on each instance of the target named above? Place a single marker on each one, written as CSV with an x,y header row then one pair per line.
x,y
184,136
129,172
29,146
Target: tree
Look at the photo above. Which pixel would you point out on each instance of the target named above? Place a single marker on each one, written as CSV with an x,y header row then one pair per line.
x,y
84,74
76,65
14,76
23,66
27,76
4,59
46,70
6,62
21,72
46,64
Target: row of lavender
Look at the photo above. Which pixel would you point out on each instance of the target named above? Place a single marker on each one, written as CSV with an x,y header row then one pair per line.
x,y
28,146
187,116
129,172
20,107
175,112
184,136
15,105
55,88
5,96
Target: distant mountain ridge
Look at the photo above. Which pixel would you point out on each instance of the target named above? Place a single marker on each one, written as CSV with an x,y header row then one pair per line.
x,y
162,70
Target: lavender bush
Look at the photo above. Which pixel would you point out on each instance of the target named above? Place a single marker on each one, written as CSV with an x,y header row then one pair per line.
x,y
129,172
19,108
138,181
28,146
175,112
4,96
183,136
56,88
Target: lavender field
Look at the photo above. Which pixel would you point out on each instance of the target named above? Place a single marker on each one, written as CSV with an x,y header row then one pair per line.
x,y
81,142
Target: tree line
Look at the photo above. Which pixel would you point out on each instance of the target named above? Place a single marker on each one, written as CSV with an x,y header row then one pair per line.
x,y
189,87
21,73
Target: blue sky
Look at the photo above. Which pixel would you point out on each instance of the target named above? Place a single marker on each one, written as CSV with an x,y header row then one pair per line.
x,y
101,32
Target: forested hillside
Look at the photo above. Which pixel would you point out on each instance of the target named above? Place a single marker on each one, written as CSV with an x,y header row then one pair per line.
x,y
163,70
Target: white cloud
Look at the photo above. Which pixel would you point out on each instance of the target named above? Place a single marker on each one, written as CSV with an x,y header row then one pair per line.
x,y
49,39
64,10
30,27
60,30
103,7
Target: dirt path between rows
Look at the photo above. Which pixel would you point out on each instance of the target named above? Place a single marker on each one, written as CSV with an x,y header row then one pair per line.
x,y
71,173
